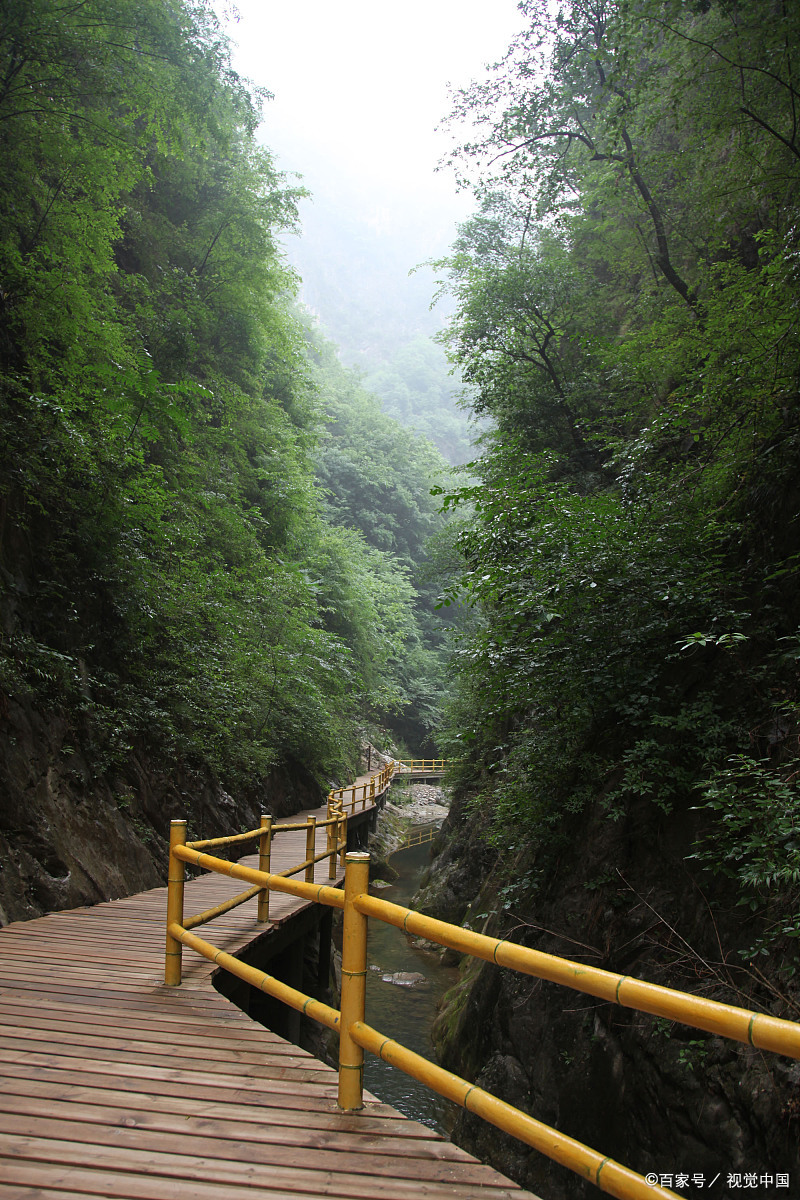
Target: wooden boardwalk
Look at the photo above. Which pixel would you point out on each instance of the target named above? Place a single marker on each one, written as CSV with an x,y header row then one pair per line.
x,y
113,1085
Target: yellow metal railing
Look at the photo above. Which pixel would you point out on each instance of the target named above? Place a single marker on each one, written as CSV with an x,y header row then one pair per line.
x,y
339,802
421,766
419,835
335,825
359,795
355,1035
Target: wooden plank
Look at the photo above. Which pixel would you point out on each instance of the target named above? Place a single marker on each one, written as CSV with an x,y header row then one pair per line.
x,y
215,1095
32,1181
26,1181
281,1068
179,1004
186,1077
201,1137
385,1135
57,1181
170,1025
235,1047
242,1173
138,1014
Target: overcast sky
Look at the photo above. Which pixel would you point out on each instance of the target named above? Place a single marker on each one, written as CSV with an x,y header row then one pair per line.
x,y
362,84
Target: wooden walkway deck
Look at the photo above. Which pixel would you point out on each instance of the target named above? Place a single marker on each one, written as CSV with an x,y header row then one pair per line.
x,y
113,1085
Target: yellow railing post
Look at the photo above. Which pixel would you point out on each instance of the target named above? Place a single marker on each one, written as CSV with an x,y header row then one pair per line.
x,y
372,789
311,847
342,833
264,853
354,982
332,846
175,880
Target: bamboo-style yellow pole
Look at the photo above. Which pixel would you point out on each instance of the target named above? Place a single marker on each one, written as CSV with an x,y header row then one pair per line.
x,y
317,893
724,1020
218,910
276,829
232,839
333,831
303,866
343,839
354,982
176,875
264,852
266,983
311,845
603,1172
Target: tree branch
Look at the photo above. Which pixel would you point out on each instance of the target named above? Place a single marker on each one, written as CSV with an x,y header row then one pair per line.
x,y
790,146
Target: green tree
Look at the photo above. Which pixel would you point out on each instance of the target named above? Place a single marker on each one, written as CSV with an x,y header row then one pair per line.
x,y
170,579
626,311
376,478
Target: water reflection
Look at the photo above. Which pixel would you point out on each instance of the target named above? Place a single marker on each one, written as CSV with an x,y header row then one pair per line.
x,y
405,1013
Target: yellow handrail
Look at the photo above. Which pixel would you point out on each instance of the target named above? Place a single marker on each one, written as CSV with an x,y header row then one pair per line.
x,y
335,823
757,1029
422,765
419,836
231,840
370,789
208,914
266,983
252,834
317,893
604,1172
291,828
337,835
724,1020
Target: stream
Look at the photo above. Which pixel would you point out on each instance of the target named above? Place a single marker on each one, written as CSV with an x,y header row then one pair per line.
x,y
401,1012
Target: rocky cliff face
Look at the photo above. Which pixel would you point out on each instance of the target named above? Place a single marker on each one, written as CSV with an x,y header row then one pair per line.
x,y
653,1094
70,836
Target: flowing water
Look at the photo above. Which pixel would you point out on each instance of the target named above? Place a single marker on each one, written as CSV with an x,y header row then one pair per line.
x,y
405,1013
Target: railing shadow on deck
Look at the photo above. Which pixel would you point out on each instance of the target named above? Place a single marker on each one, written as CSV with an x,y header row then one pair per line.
x,y
355,1035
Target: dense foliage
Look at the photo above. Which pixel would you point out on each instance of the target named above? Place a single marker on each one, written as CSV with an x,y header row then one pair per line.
x,y
416,388
170,574
376,478
627,312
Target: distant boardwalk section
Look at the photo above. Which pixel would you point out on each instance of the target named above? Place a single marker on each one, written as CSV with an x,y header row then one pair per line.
x,y
418,770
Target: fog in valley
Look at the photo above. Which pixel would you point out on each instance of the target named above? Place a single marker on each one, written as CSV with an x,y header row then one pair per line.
x,y
360,92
